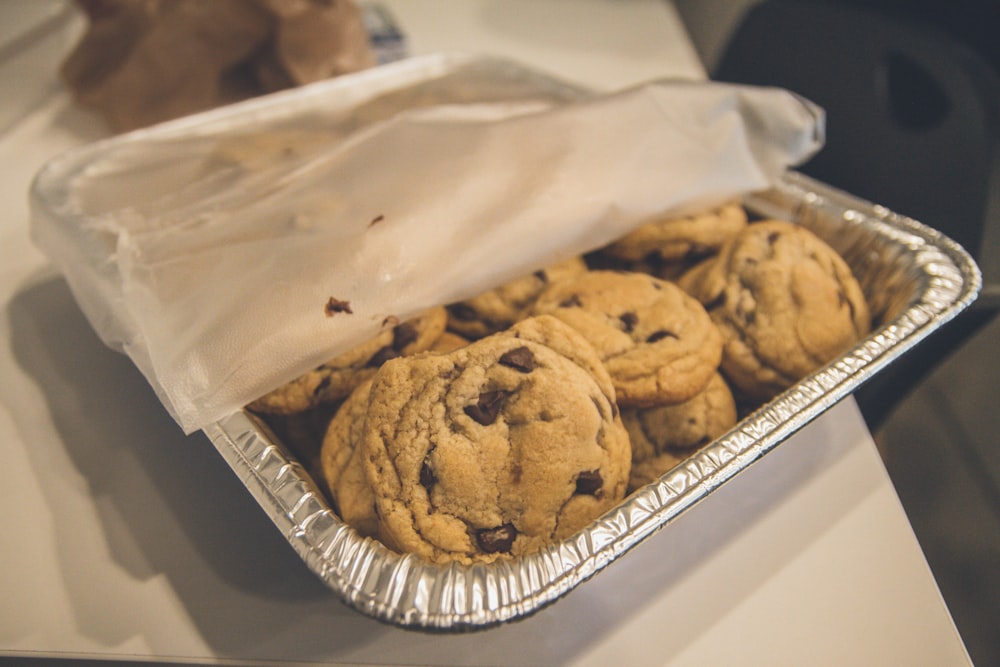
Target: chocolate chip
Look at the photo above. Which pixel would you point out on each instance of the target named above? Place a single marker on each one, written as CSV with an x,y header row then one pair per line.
x,y
655,260
660,335
385,354
403,335
717,302
463,312
321,387
571,302
697,252
516,471
589,483
377,219
495,540
541,275
629,320
427,478
520,358
334,306
485,411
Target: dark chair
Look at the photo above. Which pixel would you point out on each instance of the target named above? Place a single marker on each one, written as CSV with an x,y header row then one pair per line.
x,y
913,123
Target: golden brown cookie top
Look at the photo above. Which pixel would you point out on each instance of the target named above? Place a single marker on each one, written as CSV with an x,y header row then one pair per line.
x,y
658,344
786,303
495,449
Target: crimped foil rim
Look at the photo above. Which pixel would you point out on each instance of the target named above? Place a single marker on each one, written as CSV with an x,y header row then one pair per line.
x,y
405,591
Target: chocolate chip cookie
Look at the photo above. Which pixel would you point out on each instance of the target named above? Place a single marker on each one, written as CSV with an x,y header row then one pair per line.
x,y
667,246
335,379
785,302
496,449
658,344
665,435
499,308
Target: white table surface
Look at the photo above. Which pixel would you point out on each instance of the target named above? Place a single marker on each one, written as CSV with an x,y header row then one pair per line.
x,y
120,538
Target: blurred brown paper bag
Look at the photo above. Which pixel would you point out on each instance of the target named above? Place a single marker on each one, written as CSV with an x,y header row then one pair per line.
x,y
145,61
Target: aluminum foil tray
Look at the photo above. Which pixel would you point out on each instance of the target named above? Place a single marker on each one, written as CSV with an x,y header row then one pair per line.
x,y
915,279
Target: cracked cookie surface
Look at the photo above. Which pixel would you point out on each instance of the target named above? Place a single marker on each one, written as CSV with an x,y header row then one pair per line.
x,y
658,343
335,379
785,302
495,449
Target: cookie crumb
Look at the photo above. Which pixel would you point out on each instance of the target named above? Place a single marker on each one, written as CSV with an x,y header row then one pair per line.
x,y
335,305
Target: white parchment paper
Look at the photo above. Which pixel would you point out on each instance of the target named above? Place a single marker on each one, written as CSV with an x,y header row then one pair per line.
x,y
212,262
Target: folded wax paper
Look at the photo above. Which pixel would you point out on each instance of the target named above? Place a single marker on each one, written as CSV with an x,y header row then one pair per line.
x,y
211,251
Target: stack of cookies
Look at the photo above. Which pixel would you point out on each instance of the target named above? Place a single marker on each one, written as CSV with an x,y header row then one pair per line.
x,y
495,426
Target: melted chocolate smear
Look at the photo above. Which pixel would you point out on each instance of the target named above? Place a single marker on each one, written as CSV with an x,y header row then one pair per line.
x,y
403,335
660,335
463,312
496,540
629,320
520,359
589,483
485,411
